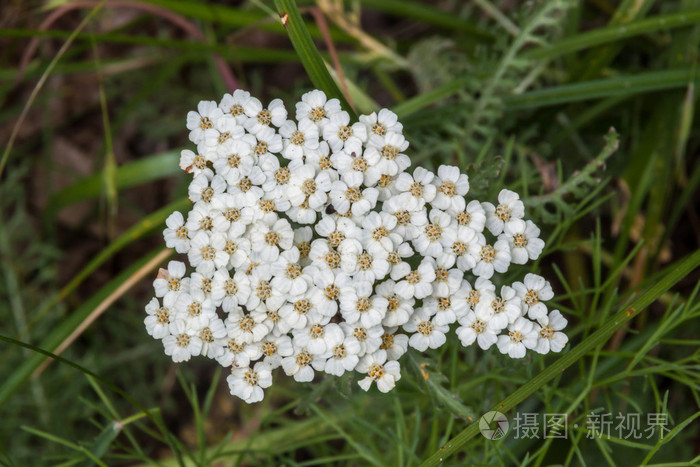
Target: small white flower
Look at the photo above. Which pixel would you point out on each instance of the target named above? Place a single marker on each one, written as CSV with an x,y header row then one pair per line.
x,y
447,279
328,285
244,327
297,313
427,333
238,353
169,283
340,135
451,188
274,349
378,231
347,195
176,234
419,282
509,207
299,366
235,159
337,229
399,267
205,186
357,162
533,292
305,185
180,345
343,357
268,142
417,185
549,337
231,214
318,336
395,344
524,241
476,329
429,241
225,129
212,337
235,104
201,284
202,219
207,252
501,310
398,309
300,140
198,122
229,292
411,215
315,106
260,118
490,258
390,149
289,276
369,339
473,216
378,369
269,236
364,264
382,123
158,317
357,304
194,310
457,247
521,335
248,383
192,163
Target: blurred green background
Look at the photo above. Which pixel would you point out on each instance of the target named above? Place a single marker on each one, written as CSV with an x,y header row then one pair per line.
x,y
93,98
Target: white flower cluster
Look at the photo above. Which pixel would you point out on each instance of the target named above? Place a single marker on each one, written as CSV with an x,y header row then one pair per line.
x,y
315,250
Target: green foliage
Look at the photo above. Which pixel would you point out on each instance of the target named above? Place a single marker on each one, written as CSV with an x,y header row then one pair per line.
x,y
587,109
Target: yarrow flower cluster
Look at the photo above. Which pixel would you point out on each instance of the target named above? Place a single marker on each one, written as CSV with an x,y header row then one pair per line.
x,y
315,250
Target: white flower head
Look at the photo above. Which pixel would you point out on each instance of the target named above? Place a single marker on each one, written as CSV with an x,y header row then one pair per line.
x,y
509,207
248,383
312,249
379,370
260,118
521,335
524,241
533,291
198,122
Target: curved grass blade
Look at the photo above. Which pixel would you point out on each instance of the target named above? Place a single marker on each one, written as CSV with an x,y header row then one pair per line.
x,y
609,87
308,54
425,99
67,327
428,14
669,278
237,17
127,175
171,440
613,34
140,229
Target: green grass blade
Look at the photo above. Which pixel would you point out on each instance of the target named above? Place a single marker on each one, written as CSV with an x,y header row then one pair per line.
x,y
137,231
671,276
64,442
428,14
69,324
425,99
618,86
308,54
237,17
613,34
127,175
